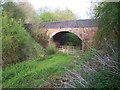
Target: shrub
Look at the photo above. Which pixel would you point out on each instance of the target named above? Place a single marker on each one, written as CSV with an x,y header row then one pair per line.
x,y
51,49
103,79
39,35
17,45
107,34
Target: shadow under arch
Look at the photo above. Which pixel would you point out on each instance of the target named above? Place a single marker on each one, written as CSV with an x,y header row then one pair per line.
x,y
60,39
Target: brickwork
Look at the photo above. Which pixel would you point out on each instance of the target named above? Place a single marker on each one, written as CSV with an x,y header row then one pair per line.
x,y
84,29
85,34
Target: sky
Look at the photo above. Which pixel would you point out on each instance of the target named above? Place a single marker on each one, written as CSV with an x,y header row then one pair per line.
x,y
79,7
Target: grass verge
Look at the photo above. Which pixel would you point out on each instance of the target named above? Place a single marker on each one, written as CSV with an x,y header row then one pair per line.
x,y
33,73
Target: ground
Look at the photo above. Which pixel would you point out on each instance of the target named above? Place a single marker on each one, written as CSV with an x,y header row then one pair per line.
x,y
34,73
91,69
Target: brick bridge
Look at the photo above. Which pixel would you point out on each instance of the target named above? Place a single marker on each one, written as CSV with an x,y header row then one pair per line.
x,y
84,29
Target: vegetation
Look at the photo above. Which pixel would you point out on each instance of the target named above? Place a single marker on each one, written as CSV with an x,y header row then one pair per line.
x,y
62,15
107,15
39,35
13,11
20,10
28,10
98,67
51,49
71,39
33,73
47,17
16,42
82,59
58,15
102,68
107,37
103,79
92,70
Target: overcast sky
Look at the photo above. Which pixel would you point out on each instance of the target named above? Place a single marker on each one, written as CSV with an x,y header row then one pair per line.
x,y
80,7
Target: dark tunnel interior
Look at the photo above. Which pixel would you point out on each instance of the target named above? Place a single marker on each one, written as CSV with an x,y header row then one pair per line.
x,y
67,38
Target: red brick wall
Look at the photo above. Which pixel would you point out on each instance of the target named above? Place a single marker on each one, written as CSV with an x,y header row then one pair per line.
x,y
85,34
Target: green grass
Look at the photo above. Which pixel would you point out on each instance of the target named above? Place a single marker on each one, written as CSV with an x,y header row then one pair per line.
x,y
34,73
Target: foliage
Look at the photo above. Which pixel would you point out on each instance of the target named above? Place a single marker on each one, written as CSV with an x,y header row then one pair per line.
x,y
13,11
108,33
58,15
31,74
47,17
51,49
19,10
83,58
87,55
39,35
107,15
73,78
105,73
72,39
17,45
28,10
93,69
103,79
62,15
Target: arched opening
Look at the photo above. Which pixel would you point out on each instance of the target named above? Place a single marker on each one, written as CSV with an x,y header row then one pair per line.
x,y
66,38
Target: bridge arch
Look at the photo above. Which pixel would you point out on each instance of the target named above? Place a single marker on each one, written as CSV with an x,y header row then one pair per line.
x,y
68,31
59,40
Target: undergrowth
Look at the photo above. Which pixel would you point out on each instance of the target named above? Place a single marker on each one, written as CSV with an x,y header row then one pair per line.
x,y
31,74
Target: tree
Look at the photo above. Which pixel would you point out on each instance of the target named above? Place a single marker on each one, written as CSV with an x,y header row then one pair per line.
x,y
108,18
58,15
28,10
13,11
20,10
71,39
47,16
107,37
39,35
62,15
17,44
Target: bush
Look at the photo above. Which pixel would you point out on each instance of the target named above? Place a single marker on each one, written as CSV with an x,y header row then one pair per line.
x,y
103,79
39,35
107,34
17,45
51,49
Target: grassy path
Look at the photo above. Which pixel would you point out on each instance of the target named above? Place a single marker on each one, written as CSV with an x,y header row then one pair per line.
x,y
33,73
